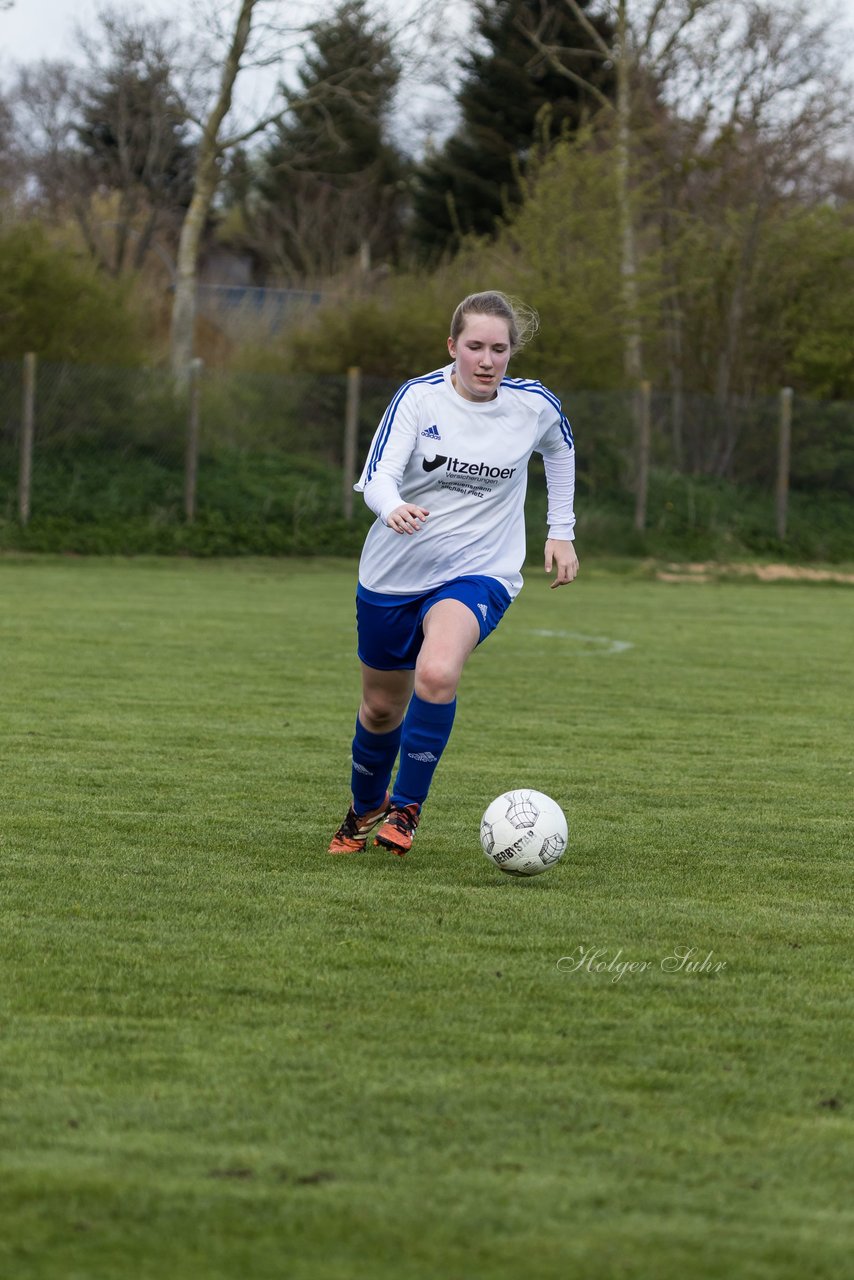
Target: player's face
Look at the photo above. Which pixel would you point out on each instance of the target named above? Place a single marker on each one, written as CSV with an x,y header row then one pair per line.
x,y
481,354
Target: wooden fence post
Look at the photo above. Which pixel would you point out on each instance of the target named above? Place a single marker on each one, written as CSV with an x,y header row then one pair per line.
x,y
784,453
351,437
28,419
642,406
191,460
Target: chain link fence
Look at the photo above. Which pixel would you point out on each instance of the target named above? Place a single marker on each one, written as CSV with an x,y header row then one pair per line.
x,y
113,466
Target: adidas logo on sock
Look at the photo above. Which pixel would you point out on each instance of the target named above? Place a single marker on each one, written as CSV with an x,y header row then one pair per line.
x,y
426,757
432,433
360,768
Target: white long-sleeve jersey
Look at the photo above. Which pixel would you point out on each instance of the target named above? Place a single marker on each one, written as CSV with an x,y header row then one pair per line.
x,y
466,463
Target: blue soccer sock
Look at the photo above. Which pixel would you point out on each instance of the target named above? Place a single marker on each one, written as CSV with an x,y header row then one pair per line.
x,y
374,755
426,730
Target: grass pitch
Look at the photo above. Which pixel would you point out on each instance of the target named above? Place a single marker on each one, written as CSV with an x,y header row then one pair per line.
x,y
224,1054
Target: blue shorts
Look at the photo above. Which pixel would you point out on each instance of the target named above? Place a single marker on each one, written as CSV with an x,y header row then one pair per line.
x,y
390,627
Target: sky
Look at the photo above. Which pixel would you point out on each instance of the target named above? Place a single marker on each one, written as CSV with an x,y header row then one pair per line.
x,y
32,30
35,29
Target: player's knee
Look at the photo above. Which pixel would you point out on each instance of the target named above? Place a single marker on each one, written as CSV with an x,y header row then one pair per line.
x,y
380,712
436,680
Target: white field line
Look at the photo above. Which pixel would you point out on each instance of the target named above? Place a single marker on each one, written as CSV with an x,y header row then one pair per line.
x,y
594,645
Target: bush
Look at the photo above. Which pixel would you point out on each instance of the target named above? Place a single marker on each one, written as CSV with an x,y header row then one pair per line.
x,y
696,518
58,306
396,333
260,503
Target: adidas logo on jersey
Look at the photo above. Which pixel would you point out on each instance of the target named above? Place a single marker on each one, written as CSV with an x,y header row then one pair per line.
x,y
426,757
432,433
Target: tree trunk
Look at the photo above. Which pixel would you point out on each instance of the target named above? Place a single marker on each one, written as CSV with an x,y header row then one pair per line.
x,y
82,215
632,342
186,273
143,244
204,187
733,337
674,346
677,389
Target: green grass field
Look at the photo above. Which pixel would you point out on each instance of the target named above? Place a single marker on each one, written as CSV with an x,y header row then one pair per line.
x,y
224,1054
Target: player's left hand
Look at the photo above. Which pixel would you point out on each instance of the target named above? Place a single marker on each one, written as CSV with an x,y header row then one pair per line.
x,y
561,556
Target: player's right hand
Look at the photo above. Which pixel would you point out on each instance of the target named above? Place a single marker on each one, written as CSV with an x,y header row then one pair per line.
x,y
407,518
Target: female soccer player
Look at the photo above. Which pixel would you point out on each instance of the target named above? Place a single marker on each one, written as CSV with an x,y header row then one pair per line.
x,y
446,476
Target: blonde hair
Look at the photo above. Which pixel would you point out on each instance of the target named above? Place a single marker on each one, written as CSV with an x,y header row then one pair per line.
x,y
522,320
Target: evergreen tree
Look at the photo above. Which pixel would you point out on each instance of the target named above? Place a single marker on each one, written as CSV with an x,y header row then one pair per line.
x,y
132,131
332,185
134,134
509,96
9,166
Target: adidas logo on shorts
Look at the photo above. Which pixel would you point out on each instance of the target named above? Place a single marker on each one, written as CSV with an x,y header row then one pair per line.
x,y
483,610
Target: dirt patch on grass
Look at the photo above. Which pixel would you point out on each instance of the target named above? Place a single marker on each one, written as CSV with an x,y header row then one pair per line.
x,y
711,572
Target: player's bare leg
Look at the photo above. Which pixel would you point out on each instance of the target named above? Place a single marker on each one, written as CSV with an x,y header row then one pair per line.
x,y
385,697
451,632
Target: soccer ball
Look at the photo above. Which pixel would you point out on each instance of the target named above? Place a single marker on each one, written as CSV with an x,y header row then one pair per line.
x,y
523,832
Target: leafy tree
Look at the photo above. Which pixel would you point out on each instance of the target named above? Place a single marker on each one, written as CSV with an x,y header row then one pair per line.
x,y
745,157
800,313
509,97
560,251
332,185
729,109
819,314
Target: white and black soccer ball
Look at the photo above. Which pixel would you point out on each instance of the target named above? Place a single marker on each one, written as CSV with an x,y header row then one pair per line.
x,y
524,832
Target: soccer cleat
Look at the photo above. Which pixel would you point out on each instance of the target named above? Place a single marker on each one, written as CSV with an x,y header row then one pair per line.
x,y
398,830
351,836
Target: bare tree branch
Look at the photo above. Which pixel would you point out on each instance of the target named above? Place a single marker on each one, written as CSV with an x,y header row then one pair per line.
x,y
555,55
583,20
